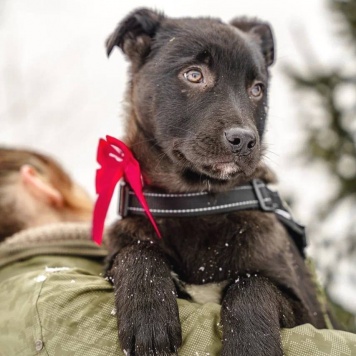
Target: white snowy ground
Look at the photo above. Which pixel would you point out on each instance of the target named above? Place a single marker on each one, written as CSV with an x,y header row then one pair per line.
x,y
59,92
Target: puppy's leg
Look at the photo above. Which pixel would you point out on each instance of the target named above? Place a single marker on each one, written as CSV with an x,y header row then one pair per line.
x,y
145,299
251,312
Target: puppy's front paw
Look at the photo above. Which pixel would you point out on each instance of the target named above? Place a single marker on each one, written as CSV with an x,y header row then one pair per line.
x,y
145,299
250,317
154,332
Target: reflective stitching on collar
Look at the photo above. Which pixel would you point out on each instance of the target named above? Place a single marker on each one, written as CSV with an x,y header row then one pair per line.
x,y
196,209
162,195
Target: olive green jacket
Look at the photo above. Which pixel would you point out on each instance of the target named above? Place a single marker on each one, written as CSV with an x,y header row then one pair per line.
x,y
54,301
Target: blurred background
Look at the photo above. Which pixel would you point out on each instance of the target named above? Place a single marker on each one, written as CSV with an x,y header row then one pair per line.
x,y
59,93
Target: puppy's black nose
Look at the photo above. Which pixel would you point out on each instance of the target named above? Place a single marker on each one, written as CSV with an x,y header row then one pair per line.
x,y
241,141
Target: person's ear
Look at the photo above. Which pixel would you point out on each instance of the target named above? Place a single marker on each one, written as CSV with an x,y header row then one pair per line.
x,y
41,190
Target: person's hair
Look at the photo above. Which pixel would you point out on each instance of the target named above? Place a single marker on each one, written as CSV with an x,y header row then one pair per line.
x,y
11,161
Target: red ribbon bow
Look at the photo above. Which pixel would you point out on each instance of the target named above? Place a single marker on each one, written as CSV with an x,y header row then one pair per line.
x,y
116,161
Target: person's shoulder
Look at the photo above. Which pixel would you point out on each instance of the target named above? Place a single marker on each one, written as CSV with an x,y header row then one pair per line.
x,y
307,340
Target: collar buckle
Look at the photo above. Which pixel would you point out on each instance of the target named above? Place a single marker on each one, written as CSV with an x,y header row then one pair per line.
x,y
266,202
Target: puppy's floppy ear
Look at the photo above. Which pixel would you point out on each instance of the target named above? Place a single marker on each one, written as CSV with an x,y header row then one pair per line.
x,y
261,31
134,33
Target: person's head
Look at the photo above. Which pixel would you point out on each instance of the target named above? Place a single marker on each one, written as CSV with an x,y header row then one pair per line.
x,y
35,190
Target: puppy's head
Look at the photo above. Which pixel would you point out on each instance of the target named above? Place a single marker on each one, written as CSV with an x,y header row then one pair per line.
x,y
199,89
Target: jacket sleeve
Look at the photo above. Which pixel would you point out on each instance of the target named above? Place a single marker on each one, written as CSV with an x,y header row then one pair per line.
x,y
60,305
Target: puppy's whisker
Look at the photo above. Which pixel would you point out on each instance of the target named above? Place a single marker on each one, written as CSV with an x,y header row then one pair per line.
x,y
270,159
159,160
267,151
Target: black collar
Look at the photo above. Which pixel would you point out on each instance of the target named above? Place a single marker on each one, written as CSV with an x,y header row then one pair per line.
x,y
255,195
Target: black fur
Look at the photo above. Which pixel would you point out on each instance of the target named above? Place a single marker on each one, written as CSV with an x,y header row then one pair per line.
x,y
197,112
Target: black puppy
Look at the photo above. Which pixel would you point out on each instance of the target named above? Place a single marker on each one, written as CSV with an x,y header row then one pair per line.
x,y
197,103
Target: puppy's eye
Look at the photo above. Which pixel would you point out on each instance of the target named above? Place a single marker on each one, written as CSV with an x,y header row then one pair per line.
x,y
194,76
257,90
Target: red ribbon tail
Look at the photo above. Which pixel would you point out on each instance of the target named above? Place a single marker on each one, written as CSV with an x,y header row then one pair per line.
x,y
116,161
133,177
143,202
100,211
107,176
